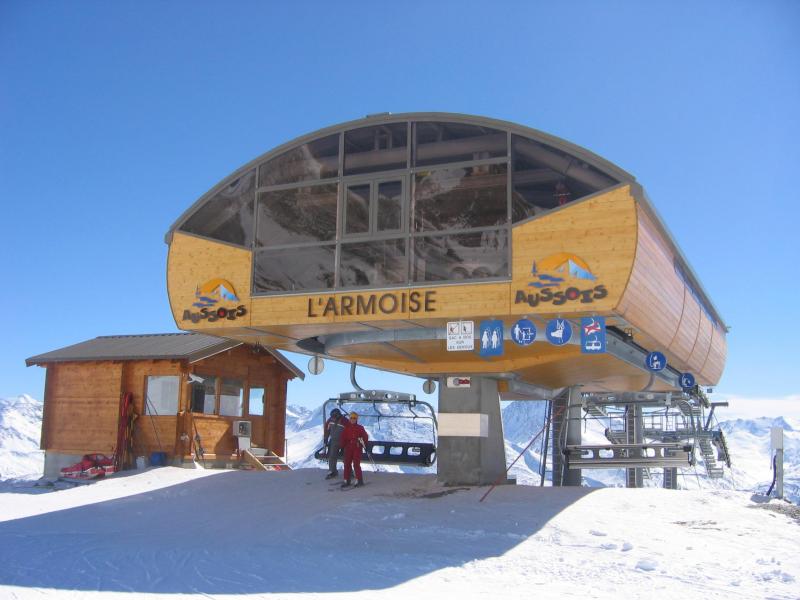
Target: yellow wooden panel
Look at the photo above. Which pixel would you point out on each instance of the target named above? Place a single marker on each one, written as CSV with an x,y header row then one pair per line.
x,y
702,346
598,233
683,342
715,361
193,263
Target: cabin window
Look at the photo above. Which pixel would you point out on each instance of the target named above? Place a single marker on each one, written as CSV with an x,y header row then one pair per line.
x,y
477,255
297,216
231,398
204,394
228,215
437,143
256,401
305,268
460,198
378,148
378,263
161,395
545,178
318,159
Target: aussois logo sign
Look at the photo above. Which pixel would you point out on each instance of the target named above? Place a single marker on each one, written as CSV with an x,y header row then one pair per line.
x,y
209,297
561,278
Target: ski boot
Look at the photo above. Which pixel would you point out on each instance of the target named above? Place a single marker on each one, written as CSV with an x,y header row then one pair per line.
x,y
359,483
346,484
332,475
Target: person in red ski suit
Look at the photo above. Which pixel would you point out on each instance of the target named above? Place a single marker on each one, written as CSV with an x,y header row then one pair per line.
x,y
353,436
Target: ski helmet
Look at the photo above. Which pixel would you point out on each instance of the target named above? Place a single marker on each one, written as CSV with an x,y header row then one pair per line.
x,y
354,416
336,413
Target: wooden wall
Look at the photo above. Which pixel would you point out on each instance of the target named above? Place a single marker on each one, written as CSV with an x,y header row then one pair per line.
x,y
81,408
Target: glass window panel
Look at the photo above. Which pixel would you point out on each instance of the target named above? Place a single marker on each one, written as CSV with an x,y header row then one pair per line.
x,y
437,143
204,394
476,255
298,215
295,269
373,264
460,198
377,148
162,395
544,178
318,159
228,215
231,398
357,209
390,206
258,396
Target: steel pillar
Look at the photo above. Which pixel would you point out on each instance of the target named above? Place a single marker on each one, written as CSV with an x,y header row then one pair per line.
x,y
566,432
633,430
471,448
671,478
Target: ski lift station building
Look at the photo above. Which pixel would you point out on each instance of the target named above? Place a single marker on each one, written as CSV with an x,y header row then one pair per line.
x,y
363,241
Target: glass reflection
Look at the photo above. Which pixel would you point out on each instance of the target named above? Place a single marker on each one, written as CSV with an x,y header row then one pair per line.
x,y
318,159
294,269
460,198
437,143
477,255
228,215
378,148
357,209
376,263
390,206
544,178
297,215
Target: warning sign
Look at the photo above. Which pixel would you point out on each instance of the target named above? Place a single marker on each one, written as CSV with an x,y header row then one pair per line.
x,y
460,336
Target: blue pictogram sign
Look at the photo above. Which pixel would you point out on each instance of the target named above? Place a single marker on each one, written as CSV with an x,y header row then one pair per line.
x,y
491,337
558,331
656,361
593,335
523,332
687,381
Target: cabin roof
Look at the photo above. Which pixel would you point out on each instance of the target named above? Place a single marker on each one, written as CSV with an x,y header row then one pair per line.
x,y
157,346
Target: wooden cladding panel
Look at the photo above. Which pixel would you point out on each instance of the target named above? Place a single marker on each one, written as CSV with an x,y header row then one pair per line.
x,y
653,301
194,261
715,361
216,433
83,407
686,336
701,347
155,434
600,230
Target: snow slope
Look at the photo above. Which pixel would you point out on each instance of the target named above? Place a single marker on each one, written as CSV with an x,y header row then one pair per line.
x,y
178,533
20,429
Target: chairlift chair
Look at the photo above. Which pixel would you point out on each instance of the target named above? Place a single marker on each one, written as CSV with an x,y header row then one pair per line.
x,y
387,452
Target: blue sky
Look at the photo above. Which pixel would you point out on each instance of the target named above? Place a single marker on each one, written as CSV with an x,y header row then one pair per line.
x,y
115,117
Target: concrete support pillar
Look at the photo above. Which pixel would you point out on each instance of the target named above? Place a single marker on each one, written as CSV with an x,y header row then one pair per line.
x,y
671,478
471,448
633,429
566,432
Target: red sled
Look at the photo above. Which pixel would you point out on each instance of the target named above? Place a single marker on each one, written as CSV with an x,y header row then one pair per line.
x,y
91,466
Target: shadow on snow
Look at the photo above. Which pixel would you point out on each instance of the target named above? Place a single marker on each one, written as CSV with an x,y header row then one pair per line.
x,y
245,532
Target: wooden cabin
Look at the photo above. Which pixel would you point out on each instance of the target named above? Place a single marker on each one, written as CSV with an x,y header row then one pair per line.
x,y
183,385
362,242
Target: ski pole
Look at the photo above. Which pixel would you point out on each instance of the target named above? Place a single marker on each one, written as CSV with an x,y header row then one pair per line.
x,y
369,455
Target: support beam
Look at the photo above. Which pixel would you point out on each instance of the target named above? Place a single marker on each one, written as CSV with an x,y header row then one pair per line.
x,y
670,478
566,432
633,430
471,447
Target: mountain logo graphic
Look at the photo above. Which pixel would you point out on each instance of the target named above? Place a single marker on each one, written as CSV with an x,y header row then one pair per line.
x,y
555,269
214,291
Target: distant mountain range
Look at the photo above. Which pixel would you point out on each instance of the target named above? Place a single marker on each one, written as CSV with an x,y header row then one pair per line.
x,y
748,440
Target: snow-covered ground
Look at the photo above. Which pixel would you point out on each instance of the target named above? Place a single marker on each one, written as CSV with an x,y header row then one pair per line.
x,y
185,533
170,532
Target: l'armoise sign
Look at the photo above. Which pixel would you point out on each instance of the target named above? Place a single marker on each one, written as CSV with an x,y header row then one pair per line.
x,y
372,304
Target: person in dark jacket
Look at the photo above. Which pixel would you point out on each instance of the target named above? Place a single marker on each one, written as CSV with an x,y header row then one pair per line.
x,y
354,439
334,427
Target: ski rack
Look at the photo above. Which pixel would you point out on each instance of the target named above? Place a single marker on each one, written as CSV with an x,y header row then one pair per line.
x,y
422,454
